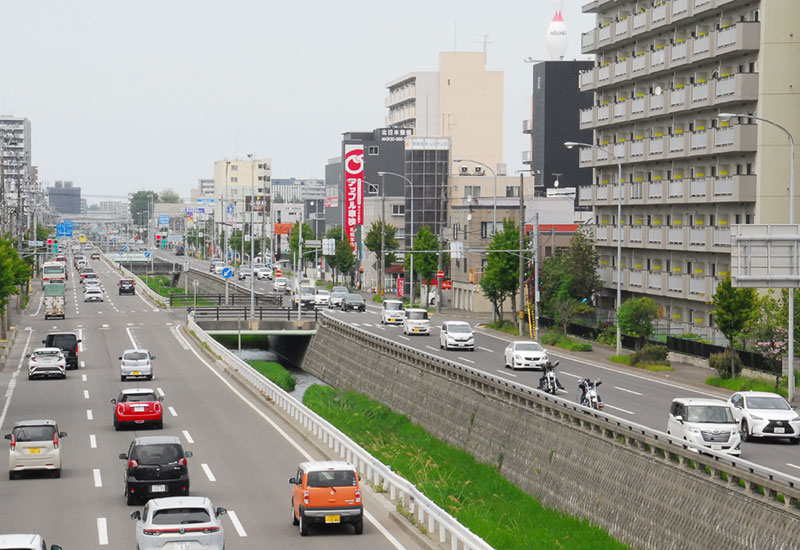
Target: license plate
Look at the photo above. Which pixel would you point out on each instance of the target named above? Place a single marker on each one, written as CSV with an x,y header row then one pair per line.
x,y
35,450
716,447
417,330
182,545
333,519
139,409
136,373
158,488
780,430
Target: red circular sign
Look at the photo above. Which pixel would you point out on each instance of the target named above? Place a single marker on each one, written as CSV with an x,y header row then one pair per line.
x,y
278,272
440,275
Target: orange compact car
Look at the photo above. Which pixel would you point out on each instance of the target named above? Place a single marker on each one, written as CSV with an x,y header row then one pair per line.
x,y
326,492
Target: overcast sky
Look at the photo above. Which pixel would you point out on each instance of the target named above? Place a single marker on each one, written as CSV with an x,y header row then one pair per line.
x,y
128,95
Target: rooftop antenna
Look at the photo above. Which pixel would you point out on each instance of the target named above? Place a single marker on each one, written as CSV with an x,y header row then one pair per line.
x,y
485,42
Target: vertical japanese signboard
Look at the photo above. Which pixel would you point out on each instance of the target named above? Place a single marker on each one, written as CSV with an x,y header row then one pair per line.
x,y
353,190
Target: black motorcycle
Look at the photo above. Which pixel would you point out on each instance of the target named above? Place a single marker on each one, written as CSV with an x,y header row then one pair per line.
x,y
589,396
549,382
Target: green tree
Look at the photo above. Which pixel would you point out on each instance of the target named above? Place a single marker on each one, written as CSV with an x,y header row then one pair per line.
x,y
169,196
582,262
733,310
426,264
500,279
373,242
345,259
14,271
294,238
565,310
636,318
140,205
336,234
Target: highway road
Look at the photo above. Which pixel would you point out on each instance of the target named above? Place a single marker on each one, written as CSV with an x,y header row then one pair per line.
x,y
634,395
243,454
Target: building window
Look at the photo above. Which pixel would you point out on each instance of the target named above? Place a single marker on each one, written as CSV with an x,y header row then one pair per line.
x,y
484,229
234,167
512,191
473,191
398,210
455,232
538,82
372,150
234,180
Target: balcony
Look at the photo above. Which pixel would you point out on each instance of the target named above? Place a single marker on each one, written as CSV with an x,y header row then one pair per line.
x,y
741,137
655,236
526,157
655,280
676,190
722,238
698,188
622,29
699,142
656,149
622,70
635,234
641,22
675,283
637,150
635,279
620,110
680,9
734,189
682,191
697,236
527,126
587,118
677,146
655,191
699,286
677,99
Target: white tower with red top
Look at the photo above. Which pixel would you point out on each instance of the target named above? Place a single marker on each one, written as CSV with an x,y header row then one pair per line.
x,y
557,33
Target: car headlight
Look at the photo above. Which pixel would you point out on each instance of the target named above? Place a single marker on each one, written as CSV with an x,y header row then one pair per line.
x,y
795,419
755,417
694,430
518,358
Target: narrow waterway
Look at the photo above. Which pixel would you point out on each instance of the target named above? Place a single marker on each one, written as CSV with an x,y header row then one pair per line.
x,y
303,379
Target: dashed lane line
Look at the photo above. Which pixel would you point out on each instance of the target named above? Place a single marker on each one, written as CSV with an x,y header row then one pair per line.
x,y
208,473
172,411
506,373
485,349
188,437
102,532
237,524
467,360
620,410
89,415
98,480
626,390
92,441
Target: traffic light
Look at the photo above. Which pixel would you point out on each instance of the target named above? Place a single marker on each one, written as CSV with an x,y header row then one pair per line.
x,y
55,244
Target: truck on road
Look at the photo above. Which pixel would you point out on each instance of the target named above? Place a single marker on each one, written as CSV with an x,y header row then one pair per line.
x,y
54,300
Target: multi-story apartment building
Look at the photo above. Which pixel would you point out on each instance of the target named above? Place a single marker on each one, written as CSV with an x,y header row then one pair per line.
x,y
463,101
16,181
64,198
664,72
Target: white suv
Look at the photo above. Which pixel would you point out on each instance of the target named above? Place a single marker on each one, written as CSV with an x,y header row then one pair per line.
x,y
765,415
25,542
35,445
706,423
416,321
456,335
392,312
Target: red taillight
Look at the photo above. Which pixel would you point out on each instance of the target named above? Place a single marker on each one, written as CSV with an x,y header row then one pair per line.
x,y
305,498
133,463
358,496
55,440
76,351
120,409
33,359
182,462
13,442
157,407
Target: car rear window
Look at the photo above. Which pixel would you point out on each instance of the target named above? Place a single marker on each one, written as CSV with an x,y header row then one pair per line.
x,y
54,269
34,433
164,453
135,356
47,353
137,397
181,516
63,341
331,478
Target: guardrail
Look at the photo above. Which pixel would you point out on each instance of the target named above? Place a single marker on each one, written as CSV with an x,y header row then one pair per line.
x,y
219,299
212,313
141,286
425,511
750,479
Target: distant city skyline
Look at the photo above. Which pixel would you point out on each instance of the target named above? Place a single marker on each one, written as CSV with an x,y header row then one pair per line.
x,y
121,101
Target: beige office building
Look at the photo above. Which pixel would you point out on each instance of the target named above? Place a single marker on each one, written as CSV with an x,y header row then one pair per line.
x,y
665,71
462,101
234,182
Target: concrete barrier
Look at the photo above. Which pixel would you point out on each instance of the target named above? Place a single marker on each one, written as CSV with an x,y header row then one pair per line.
x,y
645,487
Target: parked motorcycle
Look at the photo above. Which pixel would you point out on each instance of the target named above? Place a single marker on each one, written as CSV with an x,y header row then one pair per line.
x,y
589,395
548,382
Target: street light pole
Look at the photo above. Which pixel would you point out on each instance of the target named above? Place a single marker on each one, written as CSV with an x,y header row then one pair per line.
x,y
570,145
411,187
790,335
252,237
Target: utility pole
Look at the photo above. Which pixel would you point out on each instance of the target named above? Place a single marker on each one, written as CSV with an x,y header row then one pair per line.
x,y
536,274
382,256
252,236
441,260
521,250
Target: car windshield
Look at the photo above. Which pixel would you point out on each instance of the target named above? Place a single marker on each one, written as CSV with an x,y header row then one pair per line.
x,y
307,291
323,293
461,329
710,414
137,397
340,289
773,403
354,298
63,341
528,346
135,356
181,516
417,314
34,433
163,453
338,295
54,269
331,478
393,306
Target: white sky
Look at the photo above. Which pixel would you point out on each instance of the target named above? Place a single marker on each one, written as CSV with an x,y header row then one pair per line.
x,y
126,95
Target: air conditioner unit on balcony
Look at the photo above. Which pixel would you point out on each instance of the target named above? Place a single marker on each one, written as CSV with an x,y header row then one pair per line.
x,y
478,170
465,170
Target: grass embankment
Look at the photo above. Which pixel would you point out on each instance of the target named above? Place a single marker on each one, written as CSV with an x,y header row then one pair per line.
x,y
274,372
745,383
160,284
504,326
653,367
563,341
474,493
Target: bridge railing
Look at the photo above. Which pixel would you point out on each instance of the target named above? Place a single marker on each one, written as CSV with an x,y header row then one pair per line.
x,y
427,513
218,299
774,488
216,313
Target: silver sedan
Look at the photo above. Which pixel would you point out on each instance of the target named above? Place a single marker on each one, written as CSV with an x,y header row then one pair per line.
x,y
179,522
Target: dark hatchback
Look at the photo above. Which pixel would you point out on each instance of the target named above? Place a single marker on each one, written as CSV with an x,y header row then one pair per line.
x,y
127,286
67,342
355,302
156,467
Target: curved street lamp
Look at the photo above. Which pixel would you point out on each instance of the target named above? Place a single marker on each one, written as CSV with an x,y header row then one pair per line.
x,y
411,187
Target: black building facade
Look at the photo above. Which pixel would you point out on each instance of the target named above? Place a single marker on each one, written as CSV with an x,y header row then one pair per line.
x,y
64,198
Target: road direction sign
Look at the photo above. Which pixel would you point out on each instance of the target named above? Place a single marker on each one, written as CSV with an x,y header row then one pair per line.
x,y
227,272
146,254
35,243
163,219
63,230
124,247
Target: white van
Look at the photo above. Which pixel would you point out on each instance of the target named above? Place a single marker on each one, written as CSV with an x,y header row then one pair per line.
x,y
456,335
416,321
392,312
705,423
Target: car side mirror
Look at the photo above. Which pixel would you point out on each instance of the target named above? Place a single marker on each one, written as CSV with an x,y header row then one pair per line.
x,y
44,341
161,399
136,515
188,454
679,418
114,401
55,547
221,511
28,356
79,340
152,357
7,436
123,456
120,358
292,480
62,434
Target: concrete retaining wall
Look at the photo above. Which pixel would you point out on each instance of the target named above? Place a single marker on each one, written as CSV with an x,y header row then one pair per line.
x,y
642,499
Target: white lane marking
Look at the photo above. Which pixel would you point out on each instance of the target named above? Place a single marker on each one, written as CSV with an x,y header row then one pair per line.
x,y
570,374
172,411
380,328
793,465
506,373
181,342
13,382
86,394
83,364
236,523
626,390
83,378
485,349
208,473
433,348
80,336
92,441
98,481
404,338
467,360
102,532
620,410
131,324
105,326
89,415
41,301
355,324
133,340
187,436
160,392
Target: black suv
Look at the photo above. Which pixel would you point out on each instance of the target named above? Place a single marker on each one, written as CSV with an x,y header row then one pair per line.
x,y
67,342
127,286
156,468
